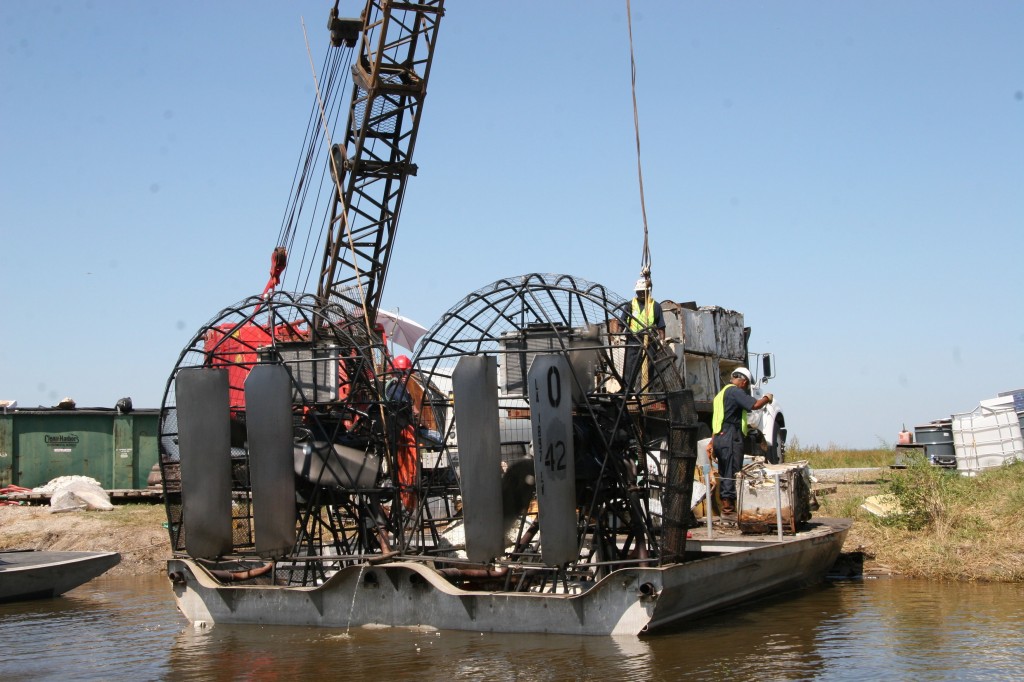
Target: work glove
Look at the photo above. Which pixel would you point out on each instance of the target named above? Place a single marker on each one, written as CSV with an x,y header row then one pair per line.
x,y
769,397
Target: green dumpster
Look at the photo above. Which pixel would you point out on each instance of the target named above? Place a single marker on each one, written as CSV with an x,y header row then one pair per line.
x,y
116,448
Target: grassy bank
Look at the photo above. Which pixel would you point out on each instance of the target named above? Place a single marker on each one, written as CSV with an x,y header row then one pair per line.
x,y
835,457
945,527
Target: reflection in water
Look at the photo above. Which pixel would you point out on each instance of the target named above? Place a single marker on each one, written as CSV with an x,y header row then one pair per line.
x,y
129,629
109,629
283,652
944,631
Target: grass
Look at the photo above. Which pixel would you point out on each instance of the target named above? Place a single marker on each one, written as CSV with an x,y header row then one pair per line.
x,y
950,527
835,457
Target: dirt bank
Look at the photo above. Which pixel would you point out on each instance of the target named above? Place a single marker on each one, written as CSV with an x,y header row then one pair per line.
x,y
134,530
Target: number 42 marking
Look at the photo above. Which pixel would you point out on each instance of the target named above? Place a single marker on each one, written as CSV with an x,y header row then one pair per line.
x,y
554,456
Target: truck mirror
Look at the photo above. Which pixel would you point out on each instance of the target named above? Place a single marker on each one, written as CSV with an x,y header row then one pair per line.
x,y
768,366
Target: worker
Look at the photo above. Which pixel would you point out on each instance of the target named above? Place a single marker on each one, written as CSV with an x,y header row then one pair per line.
x,y
639,318
406,417
729,425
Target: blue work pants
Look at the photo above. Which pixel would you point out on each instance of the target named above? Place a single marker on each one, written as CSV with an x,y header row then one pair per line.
x,y
729,452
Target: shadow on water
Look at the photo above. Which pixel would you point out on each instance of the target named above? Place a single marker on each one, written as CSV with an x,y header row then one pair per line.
x,y
129,629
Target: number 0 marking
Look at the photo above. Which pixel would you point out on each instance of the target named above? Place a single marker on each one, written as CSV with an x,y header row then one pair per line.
x,y
554,386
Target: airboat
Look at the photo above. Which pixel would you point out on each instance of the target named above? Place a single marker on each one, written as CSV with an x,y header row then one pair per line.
x,y
532,472
41,574
552,493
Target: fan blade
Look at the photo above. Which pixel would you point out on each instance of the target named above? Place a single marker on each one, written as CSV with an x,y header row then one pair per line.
x,y
550,395
475,382
204,440
268,406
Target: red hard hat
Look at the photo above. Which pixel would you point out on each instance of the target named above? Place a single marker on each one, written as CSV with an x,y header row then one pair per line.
x,y
402,363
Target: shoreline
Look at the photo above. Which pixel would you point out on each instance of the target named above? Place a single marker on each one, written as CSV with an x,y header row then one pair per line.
x,y
137,530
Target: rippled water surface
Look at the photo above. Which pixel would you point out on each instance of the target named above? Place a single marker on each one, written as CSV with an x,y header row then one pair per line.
x,y
129,629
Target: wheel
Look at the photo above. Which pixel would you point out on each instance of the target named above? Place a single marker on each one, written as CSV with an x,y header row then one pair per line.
x,y
777,449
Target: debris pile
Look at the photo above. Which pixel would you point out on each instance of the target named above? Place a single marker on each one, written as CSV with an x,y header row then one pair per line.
x,y
75,493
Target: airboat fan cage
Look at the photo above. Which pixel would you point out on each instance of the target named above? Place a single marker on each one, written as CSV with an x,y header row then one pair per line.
x,y
631,422
314,376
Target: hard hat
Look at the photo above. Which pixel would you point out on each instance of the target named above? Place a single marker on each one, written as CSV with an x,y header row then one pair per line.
x,y
402,363
745,373
641,285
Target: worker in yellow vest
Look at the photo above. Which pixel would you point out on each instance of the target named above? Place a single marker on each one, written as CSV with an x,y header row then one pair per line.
x,y
641,319
729,426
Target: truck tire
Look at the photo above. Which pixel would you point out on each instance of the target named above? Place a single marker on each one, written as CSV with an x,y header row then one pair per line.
x,y
777,449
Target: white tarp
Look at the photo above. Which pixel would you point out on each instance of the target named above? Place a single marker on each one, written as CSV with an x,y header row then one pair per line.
x,y
75,493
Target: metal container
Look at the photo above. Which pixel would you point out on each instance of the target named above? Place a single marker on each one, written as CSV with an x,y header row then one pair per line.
x,y
759,506
116,448
937,439
987,437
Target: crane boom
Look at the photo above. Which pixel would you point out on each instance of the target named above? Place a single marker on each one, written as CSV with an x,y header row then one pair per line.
x,y
371,167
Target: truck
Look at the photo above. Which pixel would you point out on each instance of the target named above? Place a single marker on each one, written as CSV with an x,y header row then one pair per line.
x,y
708,343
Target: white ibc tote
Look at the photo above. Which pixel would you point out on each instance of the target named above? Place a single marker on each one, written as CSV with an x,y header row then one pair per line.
x,y
987,437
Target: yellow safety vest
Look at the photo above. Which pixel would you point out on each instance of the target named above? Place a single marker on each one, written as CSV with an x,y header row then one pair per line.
x,y
718,411
642,319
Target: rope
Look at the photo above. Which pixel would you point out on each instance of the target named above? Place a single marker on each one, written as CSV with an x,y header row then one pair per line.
x,y
645,259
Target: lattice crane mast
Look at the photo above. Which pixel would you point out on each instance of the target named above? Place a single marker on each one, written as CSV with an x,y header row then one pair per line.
x,y
371,165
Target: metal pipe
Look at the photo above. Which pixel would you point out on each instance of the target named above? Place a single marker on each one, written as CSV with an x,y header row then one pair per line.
x,y
707,496
778,501
473,572
237,576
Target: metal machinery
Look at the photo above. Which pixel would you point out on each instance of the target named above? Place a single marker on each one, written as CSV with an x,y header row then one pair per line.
x,y
532,448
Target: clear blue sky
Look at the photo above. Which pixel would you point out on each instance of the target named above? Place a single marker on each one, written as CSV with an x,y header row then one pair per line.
x,y
848,175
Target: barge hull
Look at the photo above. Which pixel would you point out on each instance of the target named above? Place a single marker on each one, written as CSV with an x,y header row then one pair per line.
x,y
629,601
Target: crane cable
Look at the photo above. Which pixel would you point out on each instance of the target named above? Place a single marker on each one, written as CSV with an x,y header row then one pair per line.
x,y
343,216
645,259
308,159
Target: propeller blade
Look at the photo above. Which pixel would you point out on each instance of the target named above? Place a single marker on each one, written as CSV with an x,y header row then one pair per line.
x,y
549,391
475,382
204,440
268,407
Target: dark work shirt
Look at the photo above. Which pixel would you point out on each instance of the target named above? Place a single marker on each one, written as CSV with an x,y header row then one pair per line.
x,y
735,401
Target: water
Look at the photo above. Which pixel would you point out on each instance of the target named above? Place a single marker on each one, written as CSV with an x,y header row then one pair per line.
x,y
129,629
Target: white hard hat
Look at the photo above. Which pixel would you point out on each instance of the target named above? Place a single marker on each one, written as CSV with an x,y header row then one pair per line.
x,y
745,373
641,285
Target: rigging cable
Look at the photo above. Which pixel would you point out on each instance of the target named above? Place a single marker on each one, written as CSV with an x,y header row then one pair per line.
x,y
335,62
343,215
645,260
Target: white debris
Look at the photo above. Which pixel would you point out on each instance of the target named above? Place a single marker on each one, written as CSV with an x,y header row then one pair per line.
x,y
61,481
74,493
